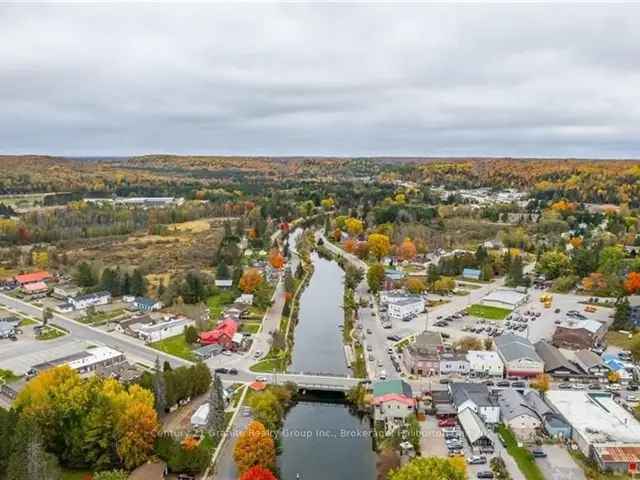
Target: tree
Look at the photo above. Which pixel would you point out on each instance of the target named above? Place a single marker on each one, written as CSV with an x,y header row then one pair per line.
x,y
258,473
430,468
632,283
267,409
622,317
47,314
190,334
354,226
542,383
159,389
136,429
138,285
379,245
432,274
415,285
613,377
595,282
29,459
554,264
375,277
445,284
407,250
468,343
254,447
610,260
250,280
327,203
276,259
349,245
85,276
111,475
215,422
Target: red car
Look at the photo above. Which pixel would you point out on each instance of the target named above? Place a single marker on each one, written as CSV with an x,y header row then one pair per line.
x,y
447,422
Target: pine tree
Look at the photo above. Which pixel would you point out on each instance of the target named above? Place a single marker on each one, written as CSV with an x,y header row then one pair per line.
x,y
29,459
215,422
138,284
159,389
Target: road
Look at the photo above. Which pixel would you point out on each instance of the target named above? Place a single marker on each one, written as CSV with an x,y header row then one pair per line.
x,y
79,331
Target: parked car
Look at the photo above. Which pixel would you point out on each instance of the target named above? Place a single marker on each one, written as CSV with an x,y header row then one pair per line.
x,y
503,383
518,385
221,370
233,371
538,453
261,379
477,460
485,474
447,422
369,332
394,338
486,449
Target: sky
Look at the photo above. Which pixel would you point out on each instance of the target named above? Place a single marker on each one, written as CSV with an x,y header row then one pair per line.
x,y
320,79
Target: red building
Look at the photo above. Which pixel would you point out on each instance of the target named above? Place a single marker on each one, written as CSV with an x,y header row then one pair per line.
x,y
34,277
221,335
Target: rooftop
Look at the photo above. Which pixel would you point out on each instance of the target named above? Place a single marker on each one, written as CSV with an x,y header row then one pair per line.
x,y
473,427
506,296
392,387
515,347
478,393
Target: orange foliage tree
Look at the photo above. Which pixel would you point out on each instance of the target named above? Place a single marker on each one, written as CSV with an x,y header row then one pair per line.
x,y
276,259
415,285
250,280
254,447
632,283
258,473
594,282
407,250
349,245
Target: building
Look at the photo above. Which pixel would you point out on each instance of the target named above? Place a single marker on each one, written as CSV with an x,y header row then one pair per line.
x,y
64,292
90,300
634,314
422,357
579,334
474,429
553,423
518,414
471,273
223,283
35,289
85,362
602,429
145,304
208,351
485,363
475,396
590,363
393,402
507,298
456,363
405,309
221,335
518,355
154,332
34,277
245,298
555,363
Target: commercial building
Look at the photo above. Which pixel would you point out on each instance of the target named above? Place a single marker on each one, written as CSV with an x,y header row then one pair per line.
x,y
393,402
35,289
518,355
485,363
405,309
90,300
555,363
518,414
579,334
601,428
477,397
85,362
471,273
590,363
474,429
221,335
153,332
34,277
456,363
422,357
505,298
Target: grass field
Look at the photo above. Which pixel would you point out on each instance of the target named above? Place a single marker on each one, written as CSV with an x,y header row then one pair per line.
x,y
525,460
484,311
49,333
249,327
269,365
620,340
177,346
195,226
217,302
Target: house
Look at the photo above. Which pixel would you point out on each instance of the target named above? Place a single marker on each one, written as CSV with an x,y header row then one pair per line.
x,y
145,304
90,300
405,309
474,429
456,363
634,313
590,363
485,363
124,325
603,430
579,334
223,283
516,413
555,363
508,298
64,292
208,351
34,277
245,298
422,357
518,355
154,332
476,397
35,289
393,402
471,273
150,471
553,423
221,335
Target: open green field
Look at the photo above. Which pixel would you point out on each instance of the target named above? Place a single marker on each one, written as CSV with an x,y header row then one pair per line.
x,y
621,340
485,311
523,457
217,302
177,346
269,365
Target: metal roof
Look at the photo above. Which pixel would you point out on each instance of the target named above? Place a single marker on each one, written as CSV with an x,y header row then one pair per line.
x,y
473,427
514,347
553,359
478,393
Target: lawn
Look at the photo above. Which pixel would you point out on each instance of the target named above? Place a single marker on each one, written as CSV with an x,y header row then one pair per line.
x,y
269,365
176,346
7,375
49,333
249,327
485,311
621,340
25,322
525,460
217,302
98,318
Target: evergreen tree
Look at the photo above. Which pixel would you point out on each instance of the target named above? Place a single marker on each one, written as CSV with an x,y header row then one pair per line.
x,y
159,389
622,317
29,460
85,276
215,422
222,271
126,284
138,284
515,275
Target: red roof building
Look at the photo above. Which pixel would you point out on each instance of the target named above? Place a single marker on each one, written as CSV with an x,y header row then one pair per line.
x,y
32,277
222,334
35,288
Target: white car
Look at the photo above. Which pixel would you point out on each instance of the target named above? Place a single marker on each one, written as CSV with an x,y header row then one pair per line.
x,y
261,379
382,375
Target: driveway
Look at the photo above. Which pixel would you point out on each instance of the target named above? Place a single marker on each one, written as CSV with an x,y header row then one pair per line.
x,y
559,465
431,439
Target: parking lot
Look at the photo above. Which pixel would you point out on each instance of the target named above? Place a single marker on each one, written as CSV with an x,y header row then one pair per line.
x,y
559,465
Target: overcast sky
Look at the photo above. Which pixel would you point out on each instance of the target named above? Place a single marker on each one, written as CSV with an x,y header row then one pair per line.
x,y
308,79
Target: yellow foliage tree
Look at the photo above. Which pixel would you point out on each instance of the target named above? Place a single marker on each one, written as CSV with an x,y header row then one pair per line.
x,y
379,245
354,226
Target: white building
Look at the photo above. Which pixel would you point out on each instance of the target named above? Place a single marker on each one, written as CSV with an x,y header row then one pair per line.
x,y
159,331
485,363
519,356
405,309
475,396
246,298
86,361
200,417
505,298
90,300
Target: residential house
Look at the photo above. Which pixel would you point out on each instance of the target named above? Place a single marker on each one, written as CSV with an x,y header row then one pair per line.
x,y
579,334
90,300
485,363
555,363
456,363
64,292
474,428
518,414
154,332
35,289
422,357
553,423
221,335
477,397
471,274
518,355
145,304
393,402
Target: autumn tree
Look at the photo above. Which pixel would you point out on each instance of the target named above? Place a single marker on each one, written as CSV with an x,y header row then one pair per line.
x,y
250,280
276,259
354,226
595,282
632,283
375,277
407,250
254,447
541,383
468,343
258,473
379,245
554,264
415,285
349,245
431,468
327,203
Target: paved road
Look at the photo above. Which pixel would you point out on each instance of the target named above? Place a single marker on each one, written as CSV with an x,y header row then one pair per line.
x,y
134,349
